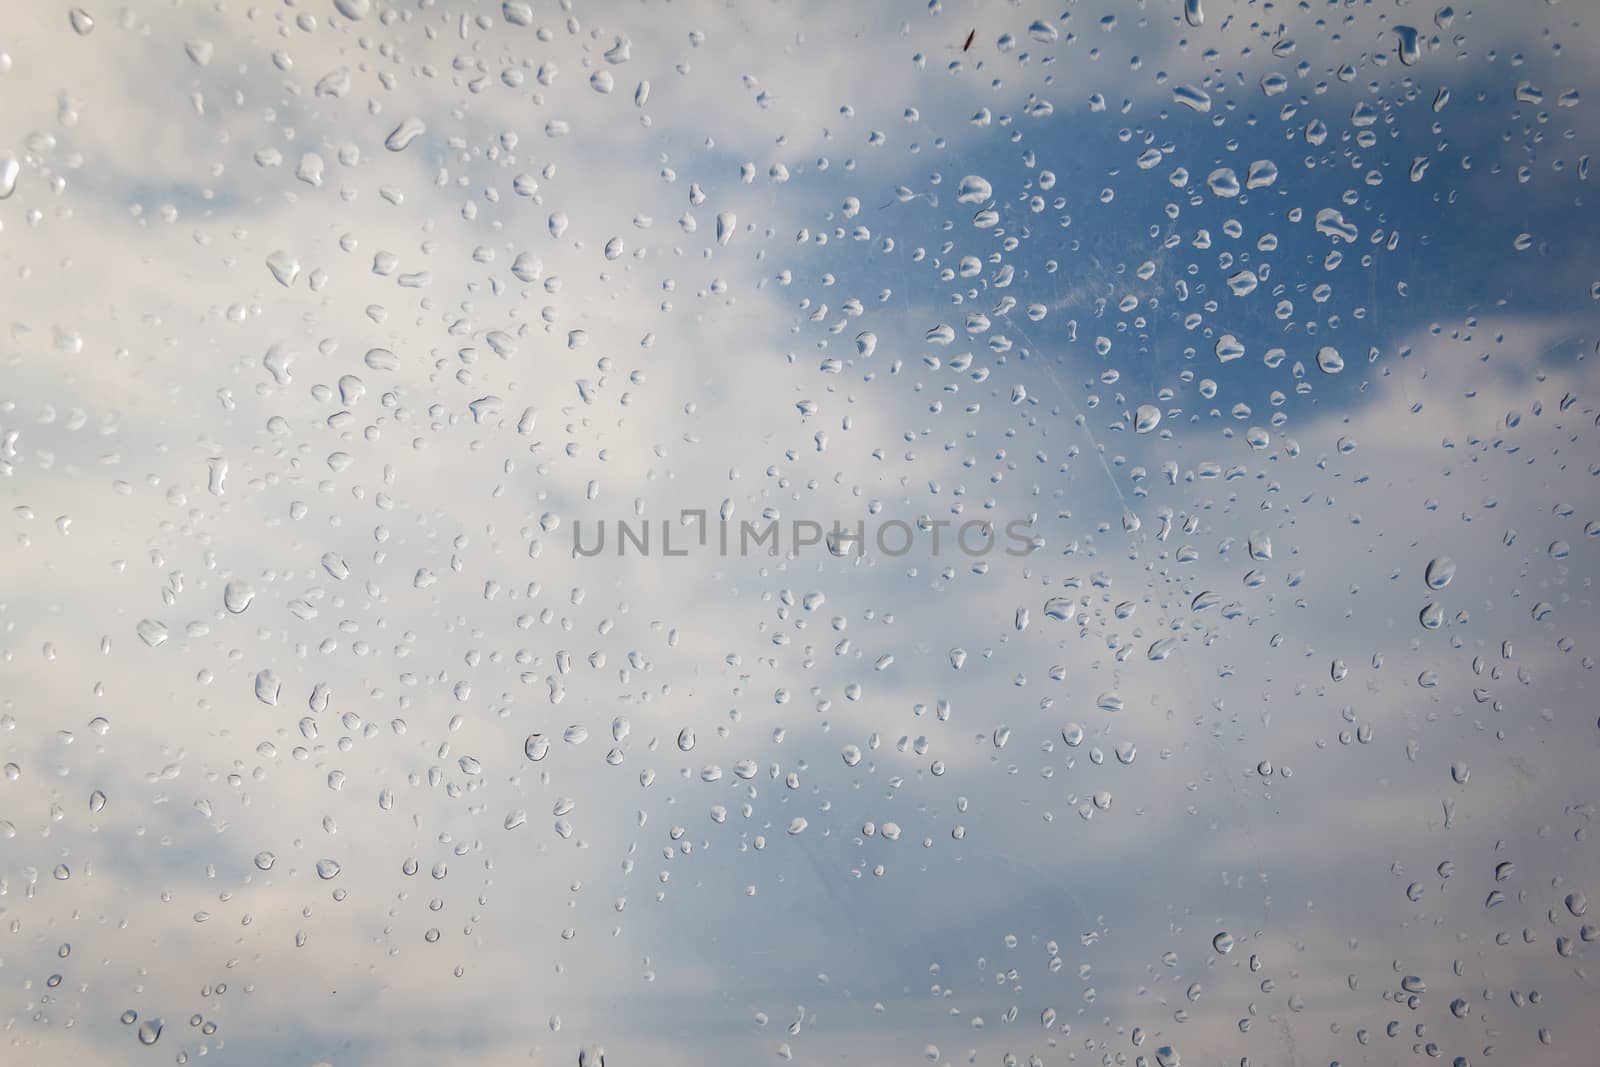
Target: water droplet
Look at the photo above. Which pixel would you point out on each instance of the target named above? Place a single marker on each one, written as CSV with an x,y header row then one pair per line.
x,y
284,267
402,135
1439,572
1407,38
974,190
1223,182
151,632
10,170
237,596
1193,98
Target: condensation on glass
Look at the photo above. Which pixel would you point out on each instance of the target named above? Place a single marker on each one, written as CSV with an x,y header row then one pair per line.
x,y
682,533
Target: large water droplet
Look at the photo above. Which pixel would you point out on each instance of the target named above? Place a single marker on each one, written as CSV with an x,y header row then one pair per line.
x,y
237,596
974,190
402,135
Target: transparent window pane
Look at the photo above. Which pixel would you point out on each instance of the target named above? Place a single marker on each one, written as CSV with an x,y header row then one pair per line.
x,y
682,533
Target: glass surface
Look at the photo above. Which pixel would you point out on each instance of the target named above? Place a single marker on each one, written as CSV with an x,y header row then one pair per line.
x,y
846,533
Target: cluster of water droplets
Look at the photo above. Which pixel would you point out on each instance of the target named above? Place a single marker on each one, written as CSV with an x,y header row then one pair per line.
x,y
1227,696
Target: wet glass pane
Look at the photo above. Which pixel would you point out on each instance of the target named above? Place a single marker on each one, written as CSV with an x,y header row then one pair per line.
x,y
836,533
